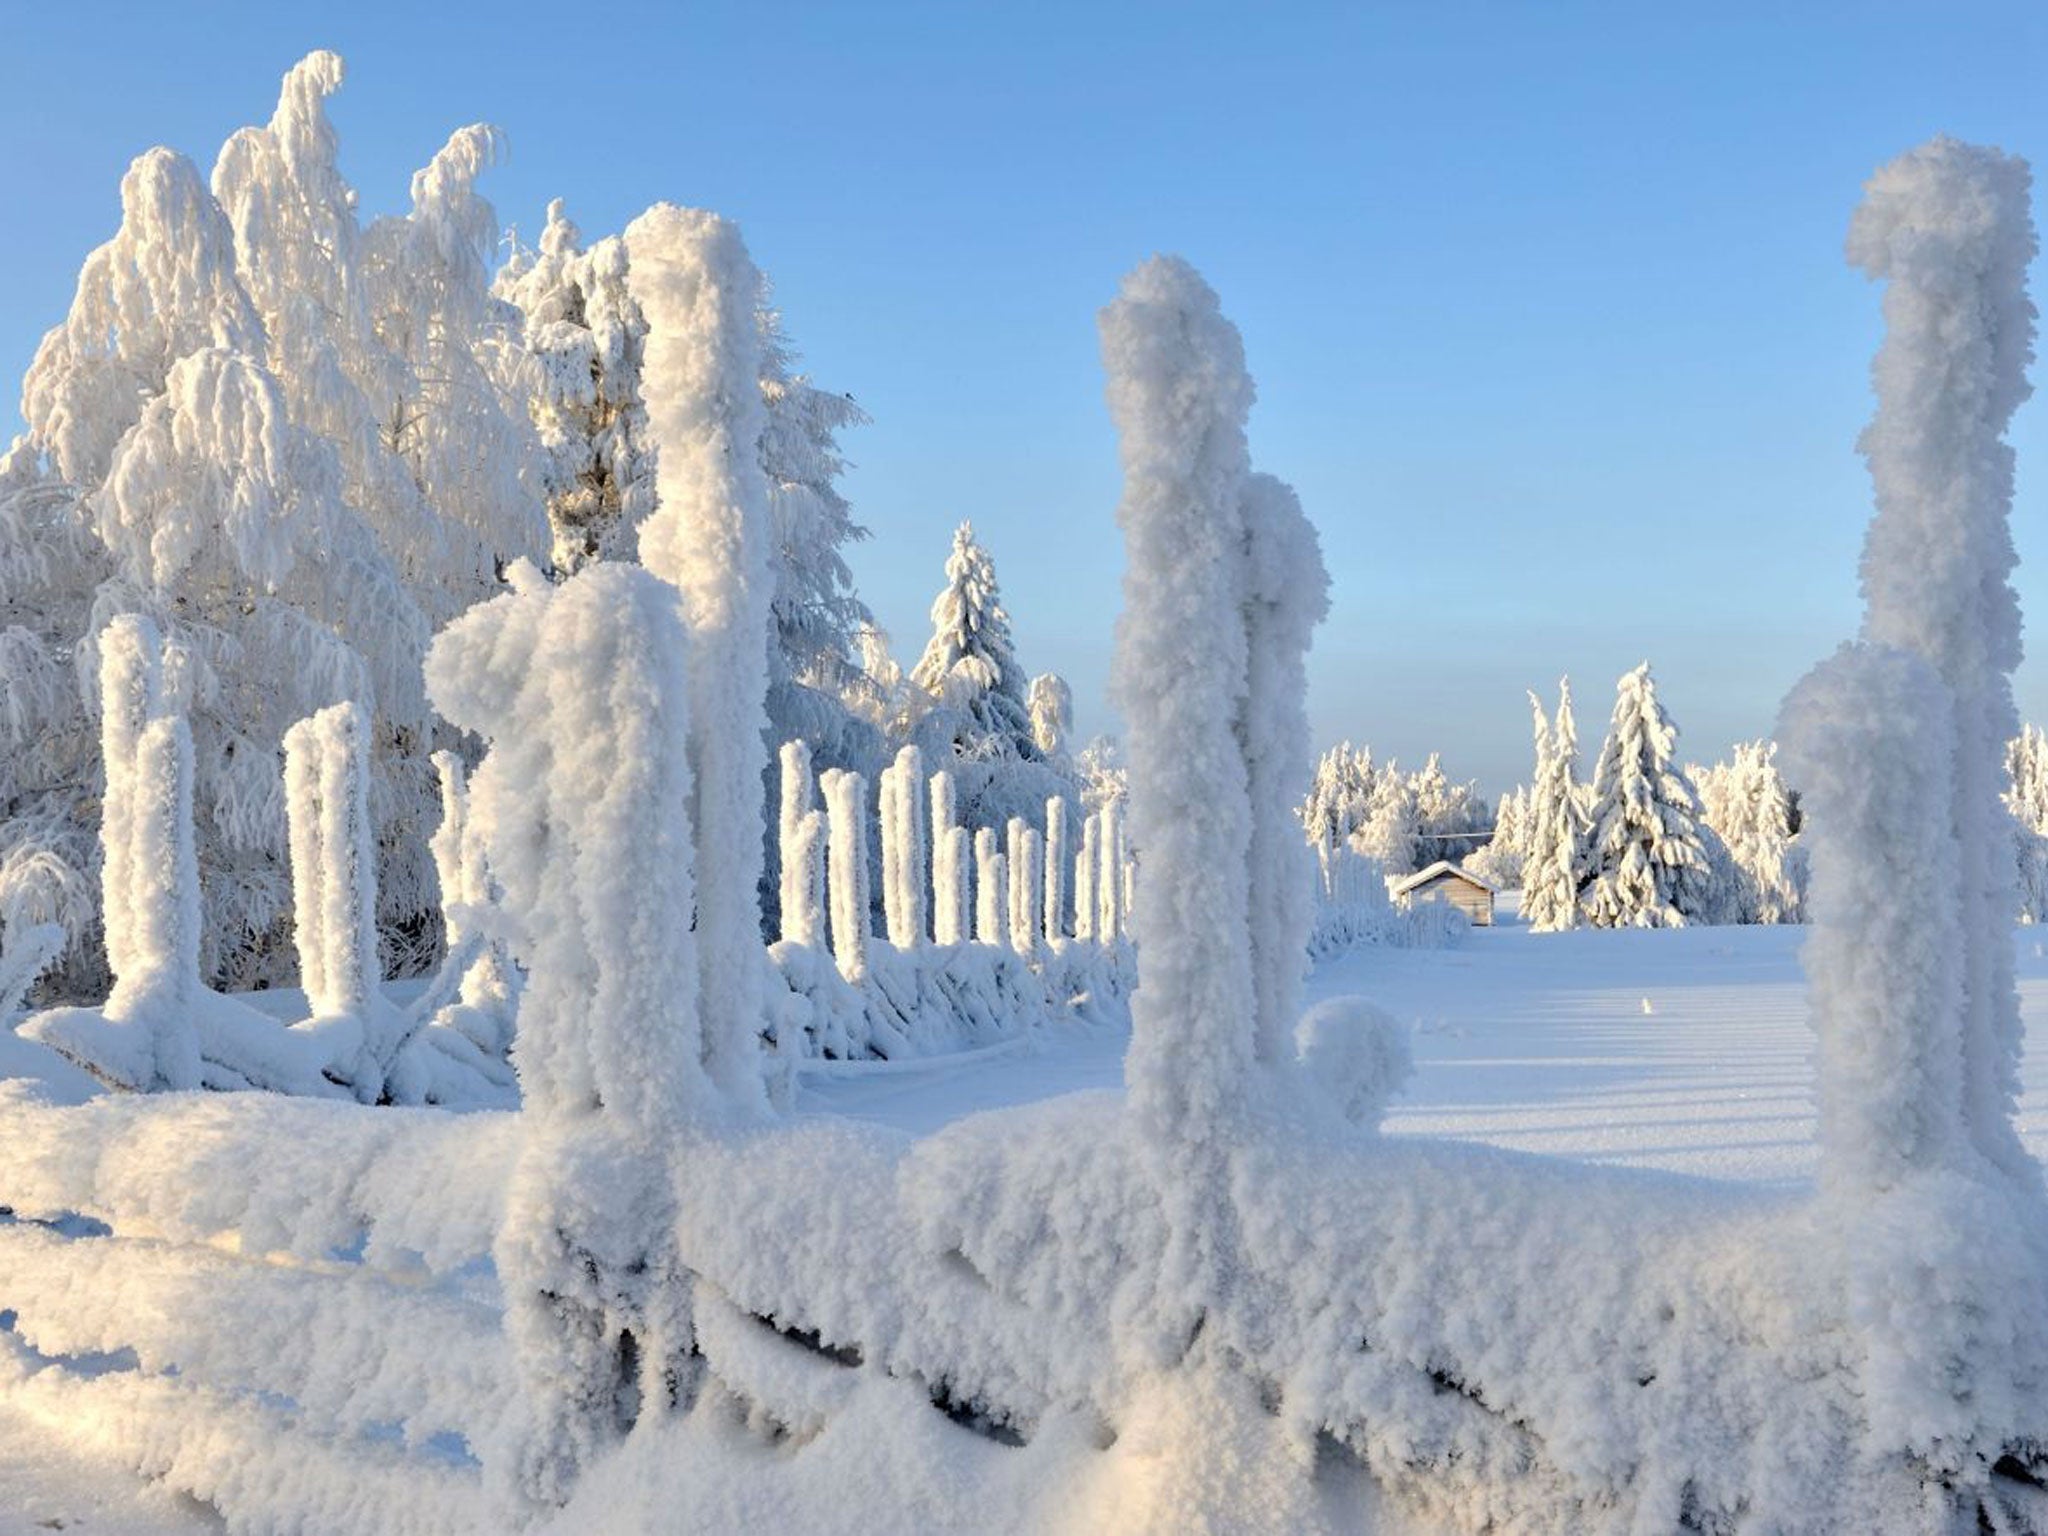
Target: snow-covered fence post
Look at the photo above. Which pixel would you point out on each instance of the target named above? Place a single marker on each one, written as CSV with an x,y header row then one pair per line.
x,y
801,846
712,539
1109,885
1948,228
146,1036
1868,738
903,852
1932,1205
1286,598
334,888
797,791
991,892
1086,865
847,810
581,803
1179,396
949,865
1056,859
1026,895
490,987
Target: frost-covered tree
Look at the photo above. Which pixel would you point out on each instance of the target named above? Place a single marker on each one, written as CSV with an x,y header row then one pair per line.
x,y
2026,797
1647,864
969,667
1051,703
227,520
814,673
1500,861
451,415
1745,803
1554,821
51,565
584,336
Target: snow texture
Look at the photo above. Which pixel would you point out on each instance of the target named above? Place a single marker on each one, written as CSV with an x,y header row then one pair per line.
x,y
1948,228
710,537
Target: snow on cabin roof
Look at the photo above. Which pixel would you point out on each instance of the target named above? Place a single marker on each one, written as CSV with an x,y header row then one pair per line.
x,y
1442,867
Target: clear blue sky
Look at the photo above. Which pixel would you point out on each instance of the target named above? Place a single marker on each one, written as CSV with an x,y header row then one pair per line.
x,y
1546,303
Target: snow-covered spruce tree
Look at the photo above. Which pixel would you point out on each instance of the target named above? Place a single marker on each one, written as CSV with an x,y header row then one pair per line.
x,y
2026,796
816,614
1051,705
584,336
576,802
1746,804
1948,229
1555,829
1500,861
1647,864
969,667
710,537
1389,832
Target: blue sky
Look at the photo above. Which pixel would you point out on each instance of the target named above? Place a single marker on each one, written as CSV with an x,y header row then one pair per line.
x,y
1546,303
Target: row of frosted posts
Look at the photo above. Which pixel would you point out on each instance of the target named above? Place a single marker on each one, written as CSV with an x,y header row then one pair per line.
x,y
1025,889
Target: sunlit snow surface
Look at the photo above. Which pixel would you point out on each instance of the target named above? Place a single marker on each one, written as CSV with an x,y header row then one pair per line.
x,y
1686,1050
1682,1050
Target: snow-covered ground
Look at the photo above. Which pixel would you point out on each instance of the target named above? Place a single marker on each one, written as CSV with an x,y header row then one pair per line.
x,y
1685,1050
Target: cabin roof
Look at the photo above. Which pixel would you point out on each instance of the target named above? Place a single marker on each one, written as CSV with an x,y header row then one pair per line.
x,y
1441,867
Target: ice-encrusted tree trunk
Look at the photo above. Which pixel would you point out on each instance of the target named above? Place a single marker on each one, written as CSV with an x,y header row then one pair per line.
x,y
711,537
582,805
1948,228
1286,597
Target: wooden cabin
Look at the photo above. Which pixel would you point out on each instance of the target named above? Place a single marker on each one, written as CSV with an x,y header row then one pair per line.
x,y
1448,882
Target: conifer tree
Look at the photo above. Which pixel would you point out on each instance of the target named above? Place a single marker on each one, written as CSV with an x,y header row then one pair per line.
x,y
1648,866
1554,822
969,666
